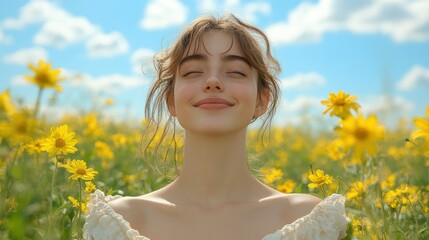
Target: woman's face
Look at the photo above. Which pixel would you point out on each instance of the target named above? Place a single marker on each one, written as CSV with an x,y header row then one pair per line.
x,y
215,90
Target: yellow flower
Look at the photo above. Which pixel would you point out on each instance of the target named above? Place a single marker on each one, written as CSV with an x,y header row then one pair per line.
x,y
103,150
79,170
44,76
287,186
360,226
92,126
19,128
360,134
119,139
271,175
61,142
356,191
6,105
340,104
334,151
109,101
77,205
423,125
35,146
388,183
89,187
319,178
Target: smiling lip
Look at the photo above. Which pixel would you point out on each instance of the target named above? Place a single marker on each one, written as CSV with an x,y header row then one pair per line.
x,y
213,103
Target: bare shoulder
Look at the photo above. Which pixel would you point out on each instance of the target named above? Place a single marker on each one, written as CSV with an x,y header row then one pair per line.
x,y
135,209
303,202
295,205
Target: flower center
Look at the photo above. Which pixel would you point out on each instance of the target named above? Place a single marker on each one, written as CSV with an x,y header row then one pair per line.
x,y
81,171
340,102
42,78
22,128
361,133
60,143
320,180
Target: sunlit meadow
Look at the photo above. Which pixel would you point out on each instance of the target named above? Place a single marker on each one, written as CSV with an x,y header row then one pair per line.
x,y
48,169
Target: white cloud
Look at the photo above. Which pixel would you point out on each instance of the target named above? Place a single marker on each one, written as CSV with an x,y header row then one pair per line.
x,y
25,56
248,12
107,45
141,61
251,10
416,78
386,106
35,12
59,28
108,83
402,20
61,33
18,81
301,103
206,6
299,109
163,13
303,80
4,38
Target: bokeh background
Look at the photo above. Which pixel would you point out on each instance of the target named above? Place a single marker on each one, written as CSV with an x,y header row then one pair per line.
x,y
92,135
377,50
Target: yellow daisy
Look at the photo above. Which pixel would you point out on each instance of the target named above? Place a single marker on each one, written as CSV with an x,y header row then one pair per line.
x,y
35,146
356,191
319,178
360,134
271,175
19,128
103,150
287,186
77,205
340,105
44,76
89,187
423,125
79,170
6,105
61,142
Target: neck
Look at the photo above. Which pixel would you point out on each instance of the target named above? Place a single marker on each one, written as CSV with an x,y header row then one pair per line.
x,y
215,170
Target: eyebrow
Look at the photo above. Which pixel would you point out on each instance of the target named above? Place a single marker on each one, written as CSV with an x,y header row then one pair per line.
x,y
226,58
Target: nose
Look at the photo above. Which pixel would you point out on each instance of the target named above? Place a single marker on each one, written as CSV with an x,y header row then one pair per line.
x,y
213,83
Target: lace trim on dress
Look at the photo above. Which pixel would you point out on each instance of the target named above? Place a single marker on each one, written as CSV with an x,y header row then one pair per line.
x,y
102,222
327,221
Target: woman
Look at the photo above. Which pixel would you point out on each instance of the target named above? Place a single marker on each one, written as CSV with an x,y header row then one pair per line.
x,y
214,81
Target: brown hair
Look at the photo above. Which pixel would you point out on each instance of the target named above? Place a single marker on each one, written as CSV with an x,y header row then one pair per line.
x,y
257,52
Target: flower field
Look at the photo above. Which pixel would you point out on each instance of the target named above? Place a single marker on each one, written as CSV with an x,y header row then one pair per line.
x,y
48,169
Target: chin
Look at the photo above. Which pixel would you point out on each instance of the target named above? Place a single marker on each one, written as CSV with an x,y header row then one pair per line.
x,y
214,128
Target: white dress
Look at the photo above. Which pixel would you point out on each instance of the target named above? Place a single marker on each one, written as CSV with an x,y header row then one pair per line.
x,y
325,222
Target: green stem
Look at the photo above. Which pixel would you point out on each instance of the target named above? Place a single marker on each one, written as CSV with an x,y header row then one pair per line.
x,y
51,199
79,234
37,105
323,191
8,182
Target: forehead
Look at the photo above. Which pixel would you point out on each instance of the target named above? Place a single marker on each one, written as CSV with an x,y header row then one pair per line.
x,y
215,43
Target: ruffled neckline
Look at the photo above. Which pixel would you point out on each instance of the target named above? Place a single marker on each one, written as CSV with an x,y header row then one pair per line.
x,y
329,216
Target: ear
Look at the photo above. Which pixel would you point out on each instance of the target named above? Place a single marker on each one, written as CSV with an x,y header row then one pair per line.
x,y
170,104
262,104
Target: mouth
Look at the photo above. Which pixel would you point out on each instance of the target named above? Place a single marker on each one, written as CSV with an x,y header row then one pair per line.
x,y
213,103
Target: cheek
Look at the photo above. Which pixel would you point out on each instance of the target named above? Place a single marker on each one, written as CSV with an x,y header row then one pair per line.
x,y
183,93
246,92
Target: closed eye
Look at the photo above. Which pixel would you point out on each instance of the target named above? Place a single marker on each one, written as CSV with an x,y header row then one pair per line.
x,y
237,72
191,73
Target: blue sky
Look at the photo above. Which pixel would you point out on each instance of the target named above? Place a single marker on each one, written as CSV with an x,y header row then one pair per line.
x,y
377,50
